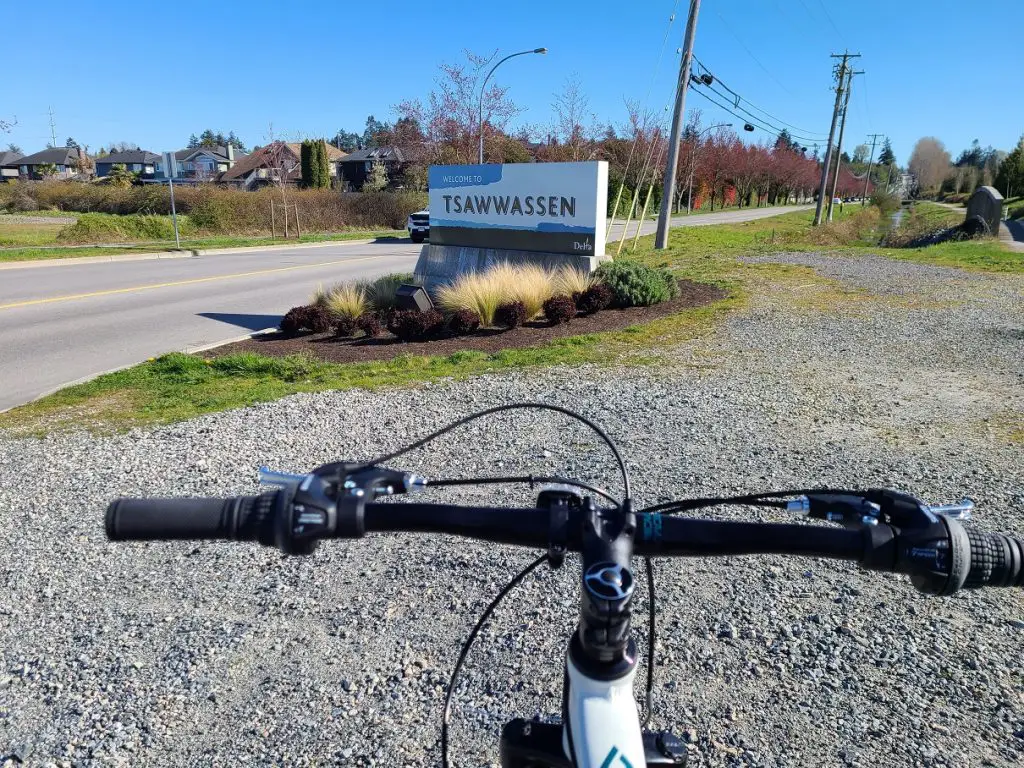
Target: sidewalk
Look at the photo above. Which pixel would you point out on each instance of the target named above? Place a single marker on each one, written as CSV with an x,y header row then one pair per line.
x,y
1011,234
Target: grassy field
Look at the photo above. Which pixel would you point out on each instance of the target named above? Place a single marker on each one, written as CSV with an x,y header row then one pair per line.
x,y
15,233
177,386
46,251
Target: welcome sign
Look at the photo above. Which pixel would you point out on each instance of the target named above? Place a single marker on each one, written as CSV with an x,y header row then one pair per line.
x,y
546,207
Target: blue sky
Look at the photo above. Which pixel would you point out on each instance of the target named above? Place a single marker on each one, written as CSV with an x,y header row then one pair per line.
x,y
155,73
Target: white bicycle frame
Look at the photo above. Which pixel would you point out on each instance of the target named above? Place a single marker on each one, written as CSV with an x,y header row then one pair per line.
x,y
603,722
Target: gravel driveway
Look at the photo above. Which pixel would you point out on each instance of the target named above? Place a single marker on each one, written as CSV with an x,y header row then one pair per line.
x,y
226,655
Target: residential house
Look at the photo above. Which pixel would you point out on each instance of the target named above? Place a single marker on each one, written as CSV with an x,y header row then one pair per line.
x,y
138,161
355,167
64,159
9,165
201,163
274,162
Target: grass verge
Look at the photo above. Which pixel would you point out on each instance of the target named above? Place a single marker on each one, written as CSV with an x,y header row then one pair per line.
x,y
177,386
204,243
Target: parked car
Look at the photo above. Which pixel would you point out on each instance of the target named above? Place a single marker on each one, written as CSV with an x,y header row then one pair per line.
x,y
419,226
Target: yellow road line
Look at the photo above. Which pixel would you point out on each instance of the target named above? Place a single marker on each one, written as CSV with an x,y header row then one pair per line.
x,y
192,281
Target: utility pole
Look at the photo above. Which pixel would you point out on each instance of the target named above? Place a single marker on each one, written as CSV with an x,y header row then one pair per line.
x,y
665,217
839,147
827,164
867,177
53,130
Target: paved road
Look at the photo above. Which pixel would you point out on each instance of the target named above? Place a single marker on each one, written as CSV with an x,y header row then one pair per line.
x,y
68,323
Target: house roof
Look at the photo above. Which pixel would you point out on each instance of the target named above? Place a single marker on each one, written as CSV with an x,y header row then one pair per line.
x,y
131,156
218,152
384,154
261,159
55,155
10,158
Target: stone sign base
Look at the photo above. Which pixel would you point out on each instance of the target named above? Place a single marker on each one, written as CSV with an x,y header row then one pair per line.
x,y
439,264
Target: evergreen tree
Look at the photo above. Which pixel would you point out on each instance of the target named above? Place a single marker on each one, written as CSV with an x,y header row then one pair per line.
x,y
193,141
306,162
323,164
886,156
14,148
71,143
1010,178
785,141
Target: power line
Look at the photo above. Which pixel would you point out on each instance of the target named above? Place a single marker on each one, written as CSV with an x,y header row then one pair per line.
x,y
751,116
830,21
751,120
864,95
752,105
751,54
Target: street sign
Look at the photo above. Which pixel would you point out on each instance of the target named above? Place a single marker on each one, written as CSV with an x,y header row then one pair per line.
x,y
170,172
170,165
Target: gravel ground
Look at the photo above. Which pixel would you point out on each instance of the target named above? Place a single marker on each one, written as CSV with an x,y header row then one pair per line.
x,y
223,655
17,218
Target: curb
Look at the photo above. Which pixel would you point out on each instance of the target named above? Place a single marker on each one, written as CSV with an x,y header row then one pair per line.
x,y
186,350
235,340
40,263
182,254
303,246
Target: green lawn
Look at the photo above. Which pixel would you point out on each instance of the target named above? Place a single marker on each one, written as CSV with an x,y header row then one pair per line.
x,y
177,387
225,241
1014,207
13,233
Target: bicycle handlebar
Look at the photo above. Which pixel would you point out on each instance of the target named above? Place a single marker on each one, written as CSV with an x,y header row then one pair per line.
x,y
940,560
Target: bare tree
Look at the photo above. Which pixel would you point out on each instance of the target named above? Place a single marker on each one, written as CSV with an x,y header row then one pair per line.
x,y
929,162
575,127
6,125
123,146
449,121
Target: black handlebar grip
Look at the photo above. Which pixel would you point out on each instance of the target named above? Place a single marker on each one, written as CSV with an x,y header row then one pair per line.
x,y
241,517
996,561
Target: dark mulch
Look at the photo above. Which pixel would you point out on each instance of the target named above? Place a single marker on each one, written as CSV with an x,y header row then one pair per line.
x,y
326,346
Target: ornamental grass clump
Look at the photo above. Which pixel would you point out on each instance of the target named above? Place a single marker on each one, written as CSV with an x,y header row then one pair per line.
x,y
380,293
478,292
346,300
569,281
528,283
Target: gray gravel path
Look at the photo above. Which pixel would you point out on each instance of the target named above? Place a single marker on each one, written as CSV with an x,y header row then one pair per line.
x,y
221,655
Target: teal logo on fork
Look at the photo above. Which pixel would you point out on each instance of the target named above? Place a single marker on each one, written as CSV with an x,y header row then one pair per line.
x,y
611,762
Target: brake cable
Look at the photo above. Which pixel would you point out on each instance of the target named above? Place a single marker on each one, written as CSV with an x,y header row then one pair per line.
x,y
627,490
531,479
767,499
518,578
467,644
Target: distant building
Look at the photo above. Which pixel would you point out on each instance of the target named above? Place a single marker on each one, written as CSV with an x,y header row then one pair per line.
x,y
274,162
64,159
201,163
355,167
138,161
9,165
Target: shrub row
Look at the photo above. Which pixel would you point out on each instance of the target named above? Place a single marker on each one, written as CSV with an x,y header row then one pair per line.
x,y
107,228
219,210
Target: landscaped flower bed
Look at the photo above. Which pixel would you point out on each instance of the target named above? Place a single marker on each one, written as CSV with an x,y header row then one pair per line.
x,y
504,307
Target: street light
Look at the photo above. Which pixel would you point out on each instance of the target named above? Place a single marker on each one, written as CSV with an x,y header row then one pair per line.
x,y
693,162
482,87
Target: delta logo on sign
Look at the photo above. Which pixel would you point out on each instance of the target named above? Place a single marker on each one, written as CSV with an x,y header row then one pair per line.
x,y
546,207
